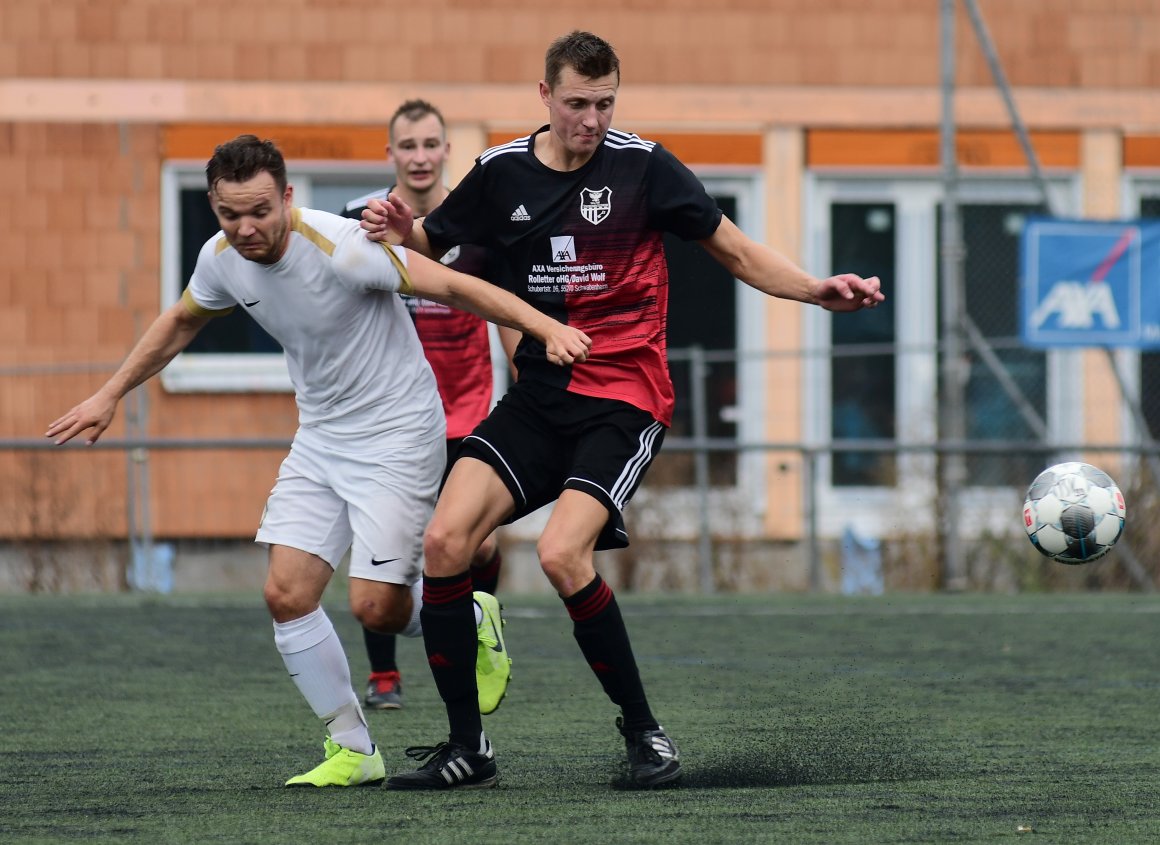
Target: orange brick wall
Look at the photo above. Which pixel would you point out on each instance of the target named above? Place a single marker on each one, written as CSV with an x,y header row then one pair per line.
x,y
1055,43
79,201
79,280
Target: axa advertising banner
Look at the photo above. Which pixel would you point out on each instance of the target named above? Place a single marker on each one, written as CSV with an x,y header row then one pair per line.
x,y
1091,283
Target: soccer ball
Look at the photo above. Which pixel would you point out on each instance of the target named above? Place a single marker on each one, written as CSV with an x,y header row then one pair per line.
x,y
1073,513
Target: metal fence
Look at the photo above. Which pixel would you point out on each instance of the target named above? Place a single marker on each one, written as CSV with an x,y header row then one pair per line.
x,y
722,497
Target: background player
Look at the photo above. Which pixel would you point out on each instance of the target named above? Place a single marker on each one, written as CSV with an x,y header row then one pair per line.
x,y
457,346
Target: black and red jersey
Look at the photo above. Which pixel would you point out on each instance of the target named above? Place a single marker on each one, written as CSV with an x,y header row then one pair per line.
x,y
585,247
455,342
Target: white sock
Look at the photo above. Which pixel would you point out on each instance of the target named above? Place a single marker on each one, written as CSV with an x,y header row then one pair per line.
x,y
414,627
314,657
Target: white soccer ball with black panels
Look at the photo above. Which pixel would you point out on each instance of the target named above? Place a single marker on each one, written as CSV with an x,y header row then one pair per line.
x,y
1074,512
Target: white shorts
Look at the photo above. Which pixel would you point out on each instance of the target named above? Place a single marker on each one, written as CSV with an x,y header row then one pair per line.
x,y
330,497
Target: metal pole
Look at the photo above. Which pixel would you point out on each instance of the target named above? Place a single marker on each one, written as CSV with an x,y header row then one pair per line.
x,y
141,461
810,494
131,493
698,373
952,408
140,519
1131,562
987,355
1000,78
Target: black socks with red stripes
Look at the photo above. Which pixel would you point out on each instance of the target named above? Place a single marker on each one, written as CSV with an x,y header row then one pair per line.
x,y
600,632
449,635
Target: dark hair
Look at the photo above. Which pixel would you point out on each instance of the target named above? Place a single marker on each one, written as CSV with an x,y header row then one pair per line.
x,y
415,110
587,54
243,158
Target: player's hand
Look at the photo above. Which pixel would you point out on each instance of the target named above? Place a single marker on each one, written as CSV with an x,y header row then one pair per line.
x,y
93,415
567,345
389,221
848,292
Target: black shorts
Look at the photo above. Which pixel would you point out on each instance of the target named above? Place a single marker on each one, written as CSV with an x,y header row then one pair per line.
x,y
452,450
542,440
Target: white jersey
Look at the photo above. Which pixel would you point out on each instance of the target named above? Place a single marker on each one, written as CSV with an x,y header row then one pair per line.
x,y
355,361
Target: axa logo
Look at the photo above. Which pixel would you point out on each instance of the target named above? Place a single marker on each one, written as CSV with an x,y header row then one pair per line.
x,y
595,205
1078,305
1086,304
563,249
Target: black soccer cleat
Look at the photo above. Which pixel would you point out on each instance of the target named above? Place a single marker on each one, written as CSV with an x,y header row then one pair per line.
x,y
451,766
653,758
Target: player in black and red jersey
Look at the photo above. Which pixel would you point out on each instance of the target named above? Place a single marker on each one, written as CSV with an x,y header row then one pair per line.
x,y
456,344
576,212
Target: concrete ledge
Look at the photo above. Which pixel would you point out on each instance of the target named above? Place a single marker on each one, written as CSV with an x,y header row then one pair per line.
x,y
216,566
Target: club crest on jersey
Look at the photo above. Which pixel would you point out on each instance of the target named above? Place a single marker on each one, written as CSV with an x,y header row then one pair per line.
x,y
450,256
595,205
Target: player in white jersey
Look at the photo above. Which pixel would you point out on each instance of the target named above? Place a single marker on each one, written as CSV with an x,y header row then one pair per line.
x,y
365,464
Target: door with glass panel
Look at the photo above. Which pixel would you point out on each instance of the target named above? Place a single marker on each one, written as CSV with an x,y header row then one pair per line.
x,y
876,375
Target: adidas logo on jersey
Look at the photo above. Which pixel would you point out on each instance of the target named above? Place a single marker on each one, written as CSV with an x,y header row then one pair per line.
x,y
520,215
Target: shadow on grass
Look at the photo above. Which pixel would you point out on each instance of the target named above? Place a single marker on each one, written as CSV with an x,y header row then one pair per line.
x,y
809,760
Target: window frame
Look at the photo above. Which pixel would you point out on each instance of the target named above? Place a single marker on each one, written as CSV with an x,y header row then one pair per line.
x,y
916,198
747,498
239,372
1137,184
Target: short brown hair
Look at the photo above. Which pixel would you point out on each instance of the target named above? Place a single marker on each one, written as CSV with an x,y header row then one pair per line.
x,y
587,54
415,110
243,158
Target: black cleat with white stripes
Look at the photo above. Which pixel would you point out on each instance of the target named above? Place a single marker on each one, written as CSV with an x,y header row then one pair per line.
x,y
653,758
449,766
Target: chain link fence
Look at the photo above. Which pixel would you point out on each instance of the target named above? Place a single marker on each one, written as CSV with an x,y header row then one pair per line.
x,y
170,497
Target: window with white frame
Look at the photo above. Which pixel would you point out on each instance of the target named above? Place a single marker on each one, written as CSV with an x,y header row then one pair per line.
x,y
710,309
233,353
881,379
1144,201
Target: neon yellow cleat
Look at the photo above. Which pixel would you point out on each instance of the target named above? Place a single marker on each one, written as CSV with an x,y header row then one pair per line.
x,y
493,667
343,767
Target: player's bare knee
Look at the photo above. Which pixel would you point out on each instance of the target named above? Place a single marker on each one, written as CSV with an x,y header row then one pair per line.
x,y
444,552
286,604
567,568
555,553
378,616
274,598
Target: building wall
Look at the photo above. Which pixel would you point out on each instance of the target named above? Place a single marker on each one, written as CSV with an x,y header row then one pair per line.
x,y
1050,43
90,90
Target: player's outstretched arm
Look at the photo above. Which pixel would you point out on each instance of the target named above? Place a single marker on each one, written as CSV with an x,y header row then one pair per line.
x,y
392,222
169,334
432,280
769,271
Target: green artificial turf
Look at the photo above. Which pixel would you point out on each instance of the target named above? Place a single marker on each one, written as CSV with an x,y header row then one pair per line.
x,y
800,719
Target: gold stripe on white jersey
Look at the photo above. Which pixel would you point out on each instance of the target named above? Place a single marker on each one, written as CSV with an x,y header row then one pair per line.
x,y
310,233
196,310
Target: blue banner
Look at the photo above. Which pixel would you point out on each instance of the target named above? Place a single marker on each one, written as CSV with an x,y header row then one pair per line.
x,y
1090,283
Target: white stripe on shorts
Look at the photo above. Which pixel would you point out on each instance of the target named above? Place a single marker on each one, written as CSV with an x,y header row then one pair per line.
x,y
507,466
636,466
